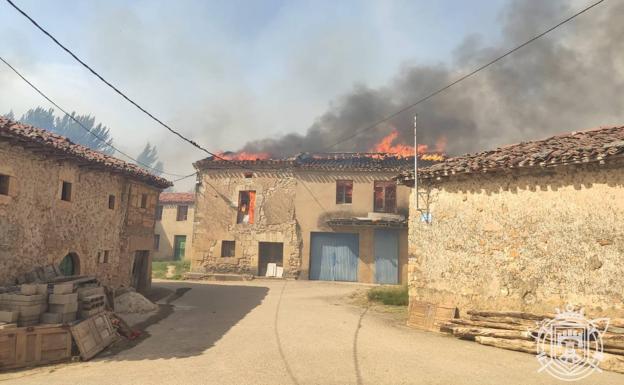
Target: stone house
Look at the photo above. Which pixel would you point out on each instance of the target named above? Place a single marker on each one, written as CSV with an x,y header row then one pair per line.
x,y
173,238
67,205
531,226
318,216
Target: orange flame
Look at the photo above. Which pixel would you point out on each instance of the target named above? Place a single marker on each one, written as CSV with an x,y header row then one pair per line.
x,y
242,155
386,145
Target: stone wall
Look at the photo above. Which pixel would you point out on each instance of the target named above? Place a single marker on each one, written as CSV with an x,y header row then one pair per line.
x,y
38,228
215,221
529,242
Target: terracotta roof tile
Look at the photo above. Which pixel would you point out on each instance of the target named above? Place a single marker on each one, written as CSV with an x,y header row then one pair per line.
x,y
596,145
352,161
32,136
176,197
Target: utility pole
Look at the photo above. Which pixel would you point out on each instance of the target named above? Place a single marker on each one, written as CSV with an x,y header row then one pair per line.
x,y
416,161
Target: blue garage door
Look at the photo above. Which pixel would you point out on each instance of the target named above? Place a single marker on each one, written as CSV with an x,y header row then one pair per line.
x,y
387,256
334,256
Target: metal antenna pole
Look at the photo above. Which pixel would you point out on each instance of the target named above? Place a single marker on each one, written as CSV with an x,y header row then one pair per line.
x,y
416,162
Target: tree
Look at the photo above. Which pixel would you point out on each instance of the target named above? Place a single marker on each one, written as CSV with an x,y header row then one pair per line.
x,y
10,115
148,160
99,139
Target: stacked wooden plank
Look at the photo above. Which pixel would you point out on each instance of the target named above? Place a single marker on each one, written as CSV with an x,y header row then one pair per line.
x,y
519,331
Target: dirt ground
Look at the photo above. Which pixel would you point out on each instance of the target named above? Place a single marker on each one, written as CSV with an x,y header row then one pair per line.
x,y
288,332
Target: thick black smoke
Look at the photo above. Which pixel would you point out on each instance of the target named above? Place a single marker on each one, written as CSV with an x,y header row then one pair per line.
x,y
572,79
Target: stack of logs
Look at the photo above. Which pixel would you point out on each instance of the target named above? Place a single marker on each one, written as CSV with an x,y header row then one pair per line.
x,y
519,330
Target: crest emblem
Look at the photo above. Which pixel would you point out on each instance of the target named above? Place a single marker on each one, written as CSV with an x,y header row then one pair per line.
x,y
569,346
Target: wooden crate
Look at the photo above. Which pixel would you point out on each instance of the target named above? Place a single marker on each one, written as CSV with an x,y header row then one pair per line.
x,y
430,316
32,346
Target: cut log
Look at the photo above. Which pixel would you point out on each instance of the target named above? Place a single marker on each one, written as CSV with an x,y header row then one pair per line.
x,y
509,344
614,350
492,325
472,332
611,362
613,323
504,320
512,314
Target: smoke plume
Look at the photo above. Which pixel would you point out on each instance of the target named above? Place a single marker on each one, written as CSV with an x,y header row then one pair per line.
x,y
571,79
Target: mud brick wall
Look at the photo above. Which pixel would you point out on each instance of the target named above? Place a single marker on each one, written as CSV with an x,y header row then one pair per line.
x,y
38,228
215,221
530,241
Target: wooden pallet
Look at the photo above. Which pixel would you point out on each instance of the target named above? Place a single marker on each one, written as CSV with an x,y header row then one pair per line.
x,y
93,335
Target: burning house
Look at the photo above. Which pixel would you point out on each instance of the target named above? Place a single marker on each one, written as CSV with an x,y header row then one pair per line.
x,y
66,205
330,216
528,227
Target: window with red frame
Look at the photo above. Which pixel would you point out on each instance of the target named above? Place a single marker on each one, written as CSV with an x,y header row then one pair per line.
x,y
385,197
344,191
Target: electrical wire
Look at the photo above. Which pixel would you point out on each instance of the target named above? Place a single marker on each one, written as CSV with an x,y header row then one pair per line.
x,y
462,78
101,139
114,88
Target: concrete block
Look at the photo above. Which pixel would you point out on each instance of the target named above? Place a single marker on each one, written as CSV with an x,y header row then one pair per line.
x,y
88,313
89,291
28,289
8,316
31,310
42,288
63,288
61,299
57,318
22,299
63,308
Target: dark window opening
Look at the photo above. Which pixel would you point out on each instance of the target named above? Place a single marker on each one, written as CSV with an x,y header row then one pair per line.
x,y
156,241
111,202
106,255
182,213
4,184
385,197
143,201
66,192
228,249
159,211
344,191
246,205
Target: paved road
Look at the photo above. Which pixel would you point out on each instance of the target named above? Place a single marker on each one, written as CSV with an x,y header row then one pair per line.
x,y
298,332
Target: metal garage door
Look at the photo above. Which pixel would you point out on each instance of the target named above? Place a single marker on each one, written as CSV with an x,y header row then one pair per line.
x,y
334,256
387,256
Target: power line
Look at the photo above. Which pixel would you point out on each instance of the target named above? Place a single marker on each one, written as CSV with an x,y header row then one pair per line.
x,y
114,88
101,139
478,69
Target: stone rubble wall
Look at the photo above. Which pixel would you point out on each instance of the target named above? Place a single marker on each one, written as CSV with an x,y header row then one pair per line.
x,y
38,228
530,242
215,221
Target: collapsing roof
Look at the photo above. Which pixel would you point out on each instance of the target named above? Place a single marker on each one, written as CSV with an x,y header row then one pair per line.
x,y
351,161
31,137
593,146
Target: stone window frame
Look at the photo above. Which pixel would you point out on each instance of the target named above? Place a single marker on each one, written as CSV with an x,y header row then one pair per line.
x,y
144,201
231,247
112,201
5,184
66,191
